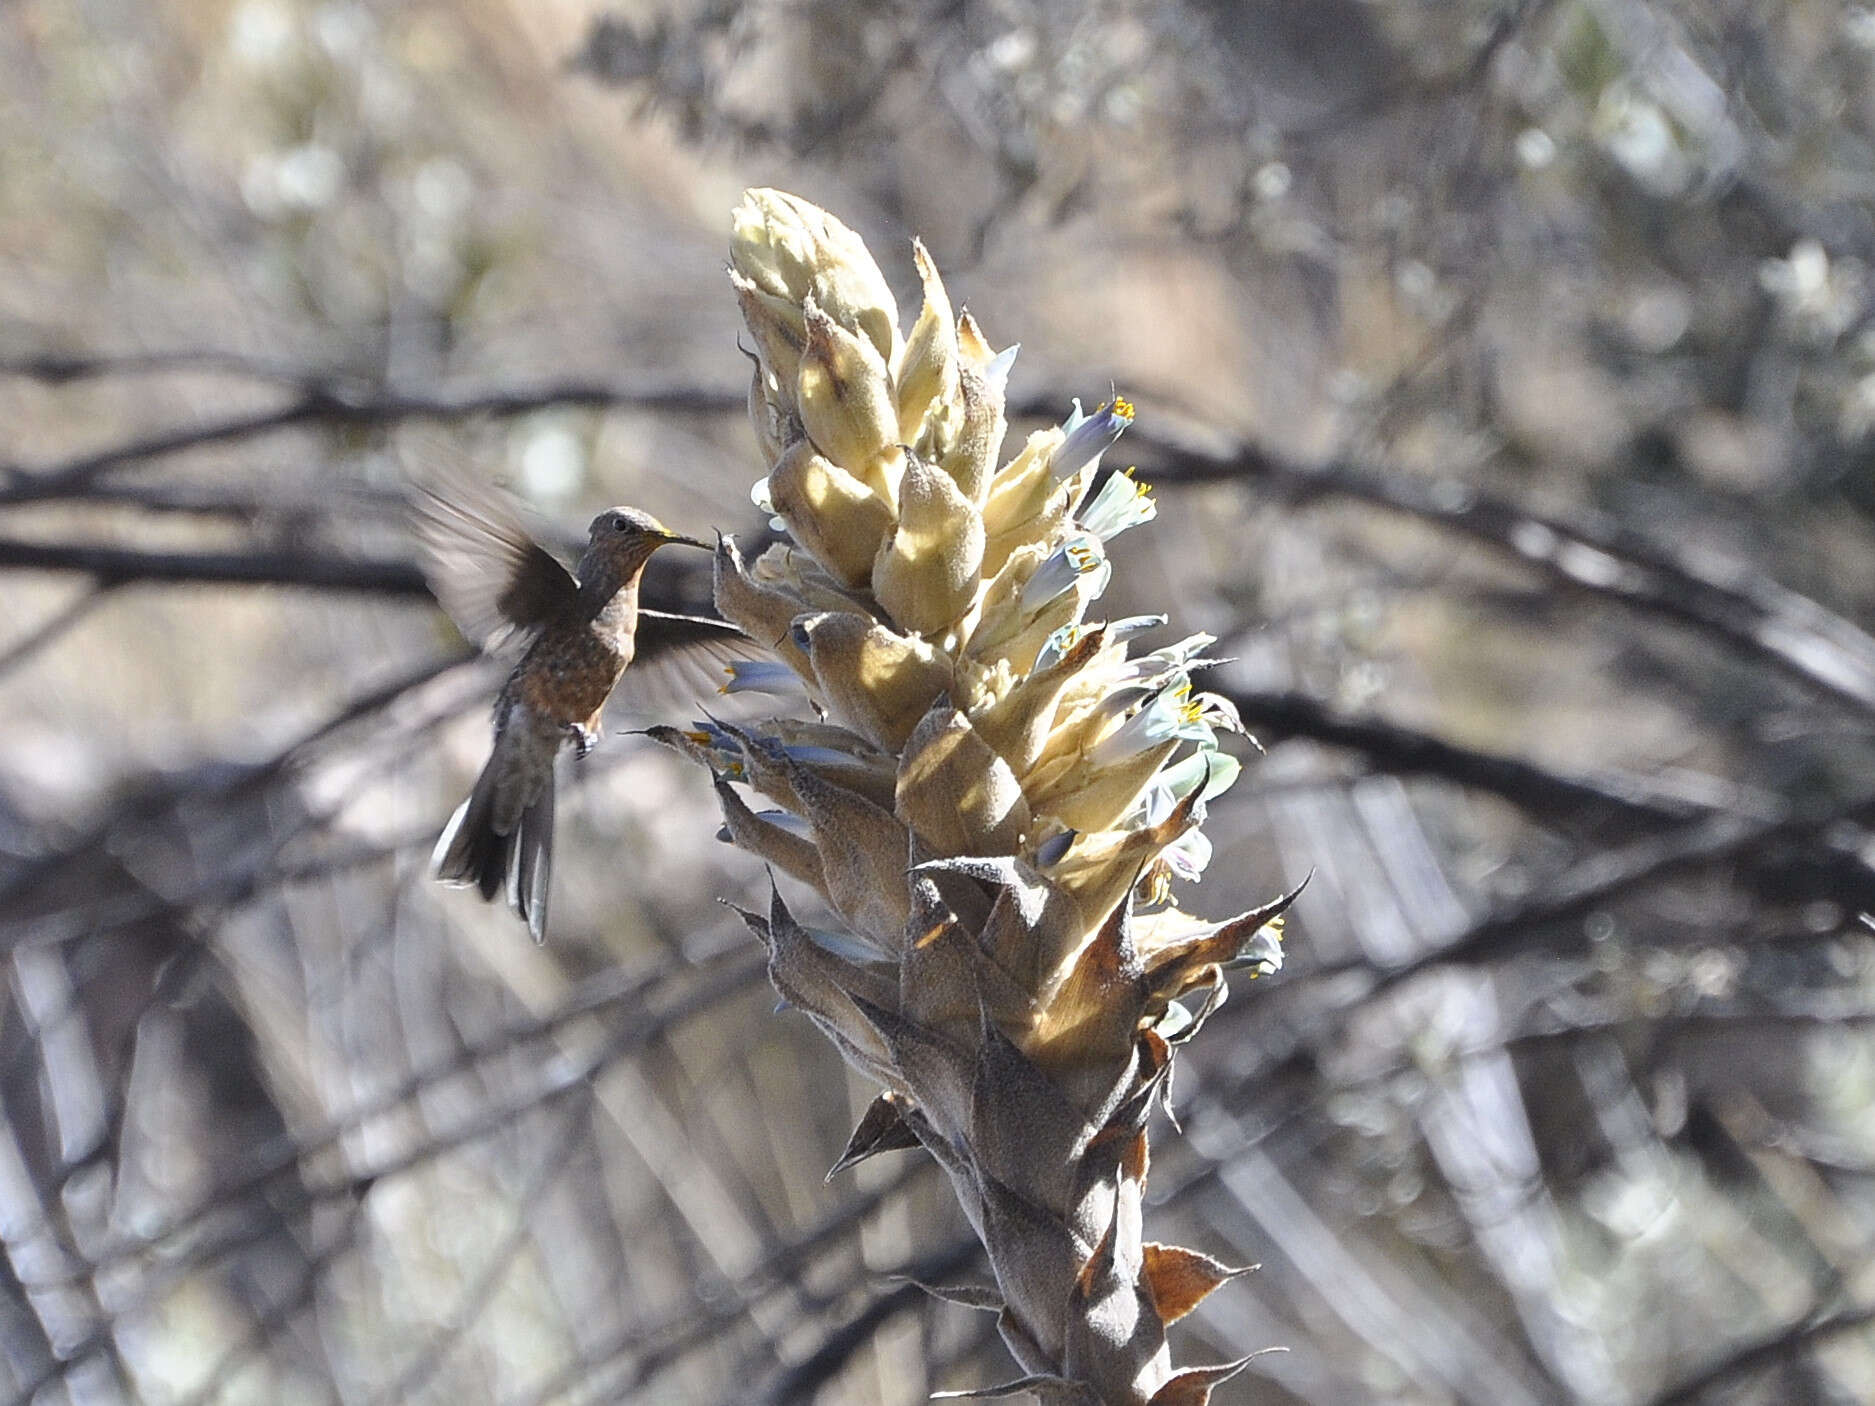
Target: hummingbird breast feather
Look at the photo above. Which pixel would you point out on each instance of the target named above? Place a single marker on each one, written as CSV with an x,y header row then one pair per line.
x,y
568,679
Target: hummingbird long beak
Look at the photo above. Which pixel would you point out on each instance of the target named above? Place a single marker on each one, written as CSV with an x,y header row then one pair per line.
x,y
679,539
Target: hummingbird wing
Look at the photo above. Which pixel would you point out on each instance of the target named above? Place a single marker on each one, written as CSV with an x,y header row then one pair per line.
x,y
679,661
486,569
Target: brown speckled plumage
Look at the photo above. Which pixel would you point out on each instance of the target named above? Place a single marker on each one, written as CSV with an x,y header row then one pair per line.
x,y
582,633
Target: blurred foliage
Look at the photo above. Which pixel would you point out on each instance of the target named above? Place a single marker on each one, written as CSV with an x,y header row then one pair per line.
x,y
1508,375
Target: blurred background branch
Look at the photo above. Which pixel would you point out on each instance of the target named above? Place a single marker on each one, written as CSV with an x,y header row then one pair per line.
x,y
1507,372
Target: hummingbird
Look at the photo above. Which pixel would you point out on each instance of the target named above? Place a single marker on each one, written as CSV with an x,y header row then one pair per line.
x,y
576,634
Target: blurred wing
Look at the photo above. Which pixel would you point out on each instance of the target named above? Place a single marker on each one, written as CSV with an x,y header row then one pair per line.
x,y
484,566
680,661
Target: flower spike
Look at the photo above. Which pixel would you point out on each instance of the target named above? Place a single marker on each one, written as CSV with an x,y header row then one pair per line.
x,y
997,798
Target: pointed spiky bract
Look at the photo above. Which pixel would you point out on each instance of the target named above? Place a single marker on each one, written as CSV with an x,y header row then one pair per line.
x,y
997,803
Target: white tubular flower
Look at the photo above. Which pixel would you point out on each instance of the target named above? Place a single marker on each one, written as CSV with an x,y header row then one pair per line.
x,y
1213,771
1170,715
1087,437
1064,640
1080,562
759,676
1121,503
995,795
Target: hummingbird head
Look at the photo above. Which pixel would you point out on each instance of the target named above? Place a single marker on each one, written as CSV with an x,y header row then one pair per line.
x,y
624,539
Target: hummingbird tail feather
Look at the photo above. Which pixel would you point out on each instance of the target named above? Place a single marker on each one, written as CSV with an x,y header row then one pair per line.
x,y
470,852
530,865
502,836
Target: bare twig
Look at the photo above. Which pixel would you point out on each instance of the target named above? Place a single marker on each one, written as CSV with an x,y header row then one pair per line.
x,y
53,626
295,1197
479,1292
1399,750
643,1008
645,1348
62,368
114,566
1712,839
1798,637
801,1381
321,404
1814,1331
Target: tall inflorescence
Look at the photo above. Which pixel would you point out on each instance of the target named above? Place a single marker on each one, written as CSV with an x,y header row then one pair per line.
x,y
996,800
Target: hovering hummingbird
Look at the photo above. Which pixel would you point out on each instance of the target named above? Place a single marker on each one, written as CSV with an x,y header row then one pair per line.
x,y
577,632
